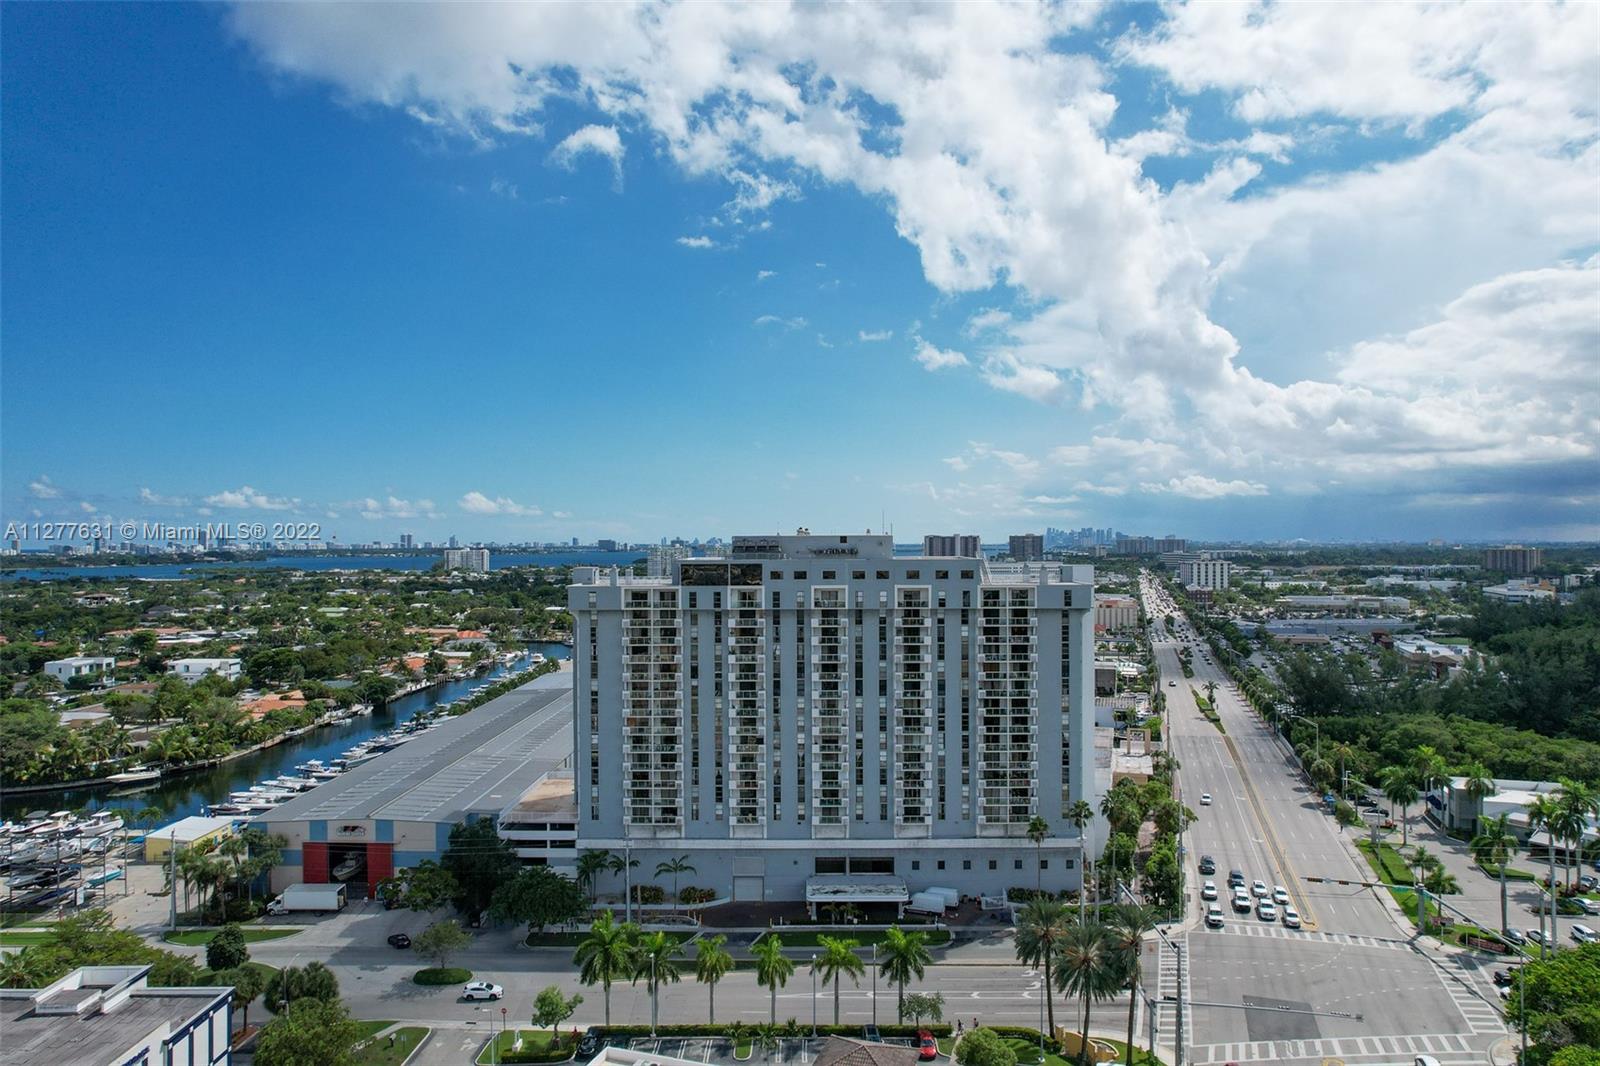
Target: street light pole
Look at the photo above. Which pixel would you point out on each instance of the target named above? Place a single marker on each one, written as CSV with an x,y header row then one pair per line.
x,y
813,997
874,985
627,881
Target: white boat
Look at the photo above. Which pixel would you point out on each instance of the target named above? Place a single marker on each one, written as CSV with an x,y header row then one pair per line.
x,y
135,774
348,868
101,823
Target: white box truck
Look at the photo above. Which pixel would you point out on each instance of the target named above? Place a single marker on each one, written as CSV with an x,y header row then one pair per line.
x,y
321,899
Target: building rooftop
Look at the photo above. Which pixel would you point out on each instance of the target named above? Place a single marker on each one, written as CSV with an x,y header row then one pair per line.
x,y
96,1014
552,798
194,827
478,762
843,1051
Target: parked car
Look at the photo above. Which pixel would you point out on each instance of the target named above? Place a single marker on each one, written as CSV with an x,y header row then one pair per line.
x,y
1584,935
1514,936
399,940
591,1042
1588,883
927,1046
1536,936
1587,905
1504,977
482,990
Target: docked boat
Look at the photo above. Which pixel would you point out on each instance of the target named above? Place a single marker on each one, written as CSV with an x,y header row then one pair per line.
x,y
135,774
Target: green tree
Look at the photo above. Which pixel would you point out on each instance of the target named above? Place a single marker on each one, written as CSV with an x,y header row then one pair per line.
x,y
837,958
480,861
248,984
539,896
903,956
312,1032
23,969
440,941
1400,788
311,981
1576,804
1041,926
226,950
606,955
679,865
1554,1000
1088,968
773,969
591,864
985,1047
1496,845
426,886
1127,926
1038,832
551,1007
1544,812
1478,785
711,964
656,960
920,1005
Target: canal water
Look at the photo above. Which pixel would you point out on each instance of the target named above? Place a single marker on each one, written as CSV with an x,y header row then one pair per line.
x,y
188,794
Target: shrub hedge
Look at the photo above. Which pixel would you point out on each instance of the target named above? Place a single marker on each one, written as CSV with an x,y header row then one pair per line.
x,y
442,975
938,1029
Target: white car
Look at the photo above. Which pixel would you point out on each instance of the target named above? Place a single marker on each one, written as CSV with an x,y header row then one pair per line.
x,y
1584,935
1291,917
1205,799
1214,917
1208,890
1259,888
1426,1060
482,990
1267,911
1280,895
1589,906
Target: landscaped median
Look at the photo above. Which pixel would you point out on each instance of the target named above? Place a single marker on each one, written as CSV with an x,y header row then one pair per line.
x,y
528,1045
199,938
442,975
799,937
392,1049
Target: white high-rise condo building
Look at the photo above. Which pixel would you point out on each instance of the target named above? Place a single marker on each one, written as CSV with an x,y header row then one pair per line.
x,y
661,557
1205,572
815,717
473,560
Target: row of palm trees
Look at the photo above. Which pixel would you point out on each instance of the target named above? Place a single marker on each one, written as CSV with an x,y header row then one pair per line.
x,y
617,951
238,860
594,862
1093,957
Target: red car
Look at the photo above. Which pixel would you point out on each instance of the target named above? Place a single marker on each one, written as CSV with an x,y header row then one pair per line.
x,y
927,1046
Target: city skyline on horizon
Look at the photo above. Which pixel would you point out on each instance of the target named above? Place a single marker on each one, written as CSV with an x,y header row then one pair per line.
x,y
1042,266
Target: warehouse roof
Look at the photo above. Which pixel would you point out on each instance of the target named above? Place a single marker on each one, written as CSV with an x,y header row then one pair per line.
x,y
479,762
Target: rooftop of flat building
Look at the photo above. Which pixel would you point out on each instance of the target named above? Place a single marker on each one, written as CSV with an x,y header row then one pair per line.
x,y
94,1014
554,797
478,762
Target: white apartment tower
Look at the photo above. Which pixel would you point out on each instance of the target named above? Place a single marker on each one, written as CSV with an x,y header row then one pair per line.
x,y
472,560
811,715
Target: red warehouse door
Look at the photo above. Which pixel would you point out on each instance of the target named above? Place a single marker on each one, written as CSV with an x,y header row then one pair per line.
x,y
314,859
380,866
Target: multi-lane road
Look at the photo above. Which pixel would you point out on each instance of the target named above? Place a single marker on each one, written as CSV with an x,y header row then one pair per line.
x,y
1350,985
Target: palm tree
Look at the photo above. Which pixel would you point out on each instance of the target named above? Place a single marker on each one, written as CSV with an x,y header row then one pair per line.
x,y
1421,856
1038,832
1211,694
1081,815
1543,813
591,864
1041,926
680,865
23,969
837,958
773,968
1400,789
711,964
655,958
1495,844
619,866
1428,768
1090,969
1478,786
1441,882
605,955
1127,926
1578,803
903,956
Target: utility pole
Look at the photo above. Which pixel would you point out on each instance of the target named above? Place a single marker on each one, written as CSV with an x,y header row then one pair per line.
x,y
627,881
813,997
172,877
1177,1059
874,984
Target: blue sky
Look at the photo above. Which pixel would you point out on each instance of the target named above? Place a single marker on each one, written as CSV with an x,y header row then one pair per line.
x,y
514,273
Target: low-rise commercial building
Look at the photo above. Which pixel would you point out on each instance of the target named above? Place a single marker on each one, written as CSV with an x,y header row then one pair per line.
x,y
110,1016
393,811
184,833
1519,592
1116,614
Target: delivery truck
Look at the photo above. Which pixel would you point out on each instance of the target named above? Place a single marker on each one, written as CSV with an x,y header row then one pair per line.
x,y
320,899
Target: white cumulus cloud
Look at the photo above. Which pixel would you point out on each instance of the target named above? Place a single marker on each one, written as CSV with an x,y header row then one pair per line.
x,y
247,498
478,503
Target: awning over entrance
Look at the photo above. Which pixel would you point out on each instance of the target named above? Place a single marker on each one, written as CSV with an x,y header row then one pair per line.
x,y
855,888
